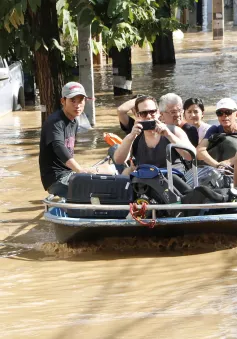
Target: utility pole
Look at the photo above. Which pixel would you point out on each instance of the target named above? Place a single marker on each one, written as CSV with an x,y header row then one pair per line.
x,y
204,15
86,74
235,12
218,20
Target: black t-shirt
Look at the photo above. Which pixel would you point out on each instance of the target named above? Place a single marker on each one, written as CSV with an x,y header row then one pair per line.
x,y
59,130
156,155
192,133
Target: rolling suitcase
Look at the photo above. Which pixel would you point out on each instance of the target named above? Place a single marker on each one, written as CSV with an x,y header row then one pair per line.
x,y
101,189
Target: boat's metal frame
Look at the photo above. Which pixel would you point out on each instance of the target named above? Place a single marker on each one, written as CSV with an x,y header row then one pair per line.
x,y
56,212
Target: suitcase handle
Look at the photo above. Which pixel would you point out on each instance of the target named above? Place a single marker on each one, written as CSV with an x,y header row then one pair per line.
x,y
103,177
192,152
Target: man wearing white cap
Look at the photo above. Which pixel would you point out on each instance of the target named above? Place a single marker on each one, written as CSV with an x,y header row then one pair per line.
x,y
219,155
57,141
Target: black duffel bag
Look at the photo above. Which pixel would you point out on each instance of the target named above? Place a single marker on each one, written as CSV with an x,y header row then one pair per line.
x,y
222,146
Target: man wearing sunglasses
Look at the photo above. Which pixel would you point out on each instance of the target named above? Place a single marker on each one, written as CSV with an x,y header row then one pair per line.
x,y
126,121
170,112
226,110
148,146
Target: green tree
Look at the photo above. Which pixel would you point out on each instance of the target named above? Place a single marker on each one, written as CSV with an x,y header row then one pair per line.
x,y
123,23
163,47
29,31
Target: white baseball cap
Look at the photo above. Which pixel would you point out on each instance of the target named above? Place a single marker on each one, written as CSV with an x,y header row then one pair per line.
x,y
72,89
226,103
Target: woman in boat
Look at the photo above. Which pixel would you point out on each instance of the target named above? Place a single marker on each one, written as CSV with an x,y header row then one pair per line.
x,y
193,114
149,146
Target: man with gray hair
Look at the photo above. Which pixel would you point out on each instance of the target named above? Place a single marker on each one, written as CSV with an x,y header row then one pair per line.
x,y
171,113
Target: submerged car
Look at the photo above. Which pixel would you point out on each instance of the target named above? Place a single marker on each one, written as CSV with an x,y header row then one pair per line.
x,y
11,87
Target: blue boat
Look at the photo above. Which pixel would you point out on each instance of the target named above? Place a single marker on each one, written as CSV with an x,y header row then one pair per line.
x,y
67,227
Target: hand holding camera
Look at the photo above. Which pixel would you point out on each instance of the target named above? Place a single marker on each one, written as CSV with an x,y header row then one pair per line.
x,y
161,128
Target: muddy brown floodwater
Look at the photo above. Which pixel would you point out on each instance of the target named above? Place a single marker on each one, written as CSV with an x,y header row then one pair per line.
x,y
176,287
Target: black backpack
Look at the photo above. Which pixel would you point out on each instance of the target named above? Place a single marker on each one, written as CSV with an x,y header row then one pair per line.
x,y
205,195
222,146
150,184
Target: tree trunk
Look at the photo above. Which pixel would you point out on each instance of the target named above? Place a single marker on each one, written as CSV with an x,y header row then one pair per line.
x,y
48,61
199,13
122,71
163,47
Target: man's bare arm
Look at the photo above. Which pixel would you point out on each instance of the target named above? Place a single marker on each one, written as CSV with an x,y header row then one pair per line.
x,y
202,154
123,110
74,166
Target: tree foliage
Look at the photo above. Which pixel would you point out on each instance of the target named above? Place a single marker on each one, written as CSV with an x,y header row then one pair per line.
x,y
16,38
122,22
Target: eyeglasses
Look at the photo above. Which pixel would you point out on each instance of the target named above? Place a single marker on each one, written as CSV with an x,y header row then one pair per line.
x,y
144,114
227,112
179,111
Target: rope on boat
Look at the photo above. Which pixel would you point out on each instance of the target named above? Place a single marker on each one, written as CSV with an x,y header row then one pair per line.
x,y
139,214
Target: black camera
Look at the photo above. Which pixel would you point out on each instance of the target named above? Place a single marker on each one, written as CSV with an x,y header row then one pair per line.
x,y
148,125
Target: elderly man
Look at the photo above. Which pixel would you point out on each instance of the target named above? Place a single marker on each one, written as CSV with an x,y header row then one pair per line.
x,y
171,111
220,153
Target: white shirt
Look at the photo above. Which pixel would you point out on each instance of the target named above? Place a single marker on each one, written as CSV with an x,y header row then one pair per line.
x,y
202,130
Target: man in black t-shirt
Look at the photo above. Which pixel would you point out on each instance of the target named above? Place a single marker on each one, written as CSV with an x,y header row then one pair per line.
x,y
151,148
57,141
171,113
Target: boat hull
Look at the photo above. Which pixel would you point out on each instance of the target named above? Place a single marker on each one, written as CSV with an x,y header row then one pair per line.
x,y
67,228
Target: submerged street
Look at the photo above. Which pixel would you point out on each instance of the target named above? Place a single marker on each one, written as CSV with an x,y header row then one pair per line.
x,y
177,287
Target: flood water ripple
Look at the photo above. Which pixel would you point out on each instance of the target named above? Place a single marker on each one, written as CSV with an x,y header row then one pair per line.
x,y
176,286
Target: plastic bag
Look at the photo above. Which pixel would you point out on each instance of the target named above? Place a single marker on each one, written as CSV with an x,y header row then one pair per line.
x,y
83,123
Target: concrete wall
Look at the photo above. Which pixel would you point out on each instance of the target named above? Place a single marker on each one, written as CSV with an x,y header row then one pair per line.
x,y
230,14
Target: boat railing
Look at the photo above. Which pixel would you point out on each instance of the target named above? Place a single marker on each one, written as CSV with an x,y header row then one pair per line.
x,y
50,202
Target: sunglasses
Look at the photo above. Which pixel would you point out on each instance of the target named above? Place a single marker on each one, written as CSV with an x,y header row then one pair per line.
x,y
227,112
144,114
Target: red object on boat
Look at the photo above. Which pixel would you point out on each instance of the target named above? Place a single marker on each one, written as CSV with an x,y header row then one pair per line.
x,y
112,139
